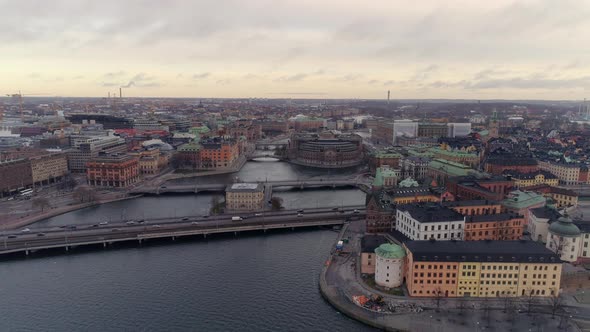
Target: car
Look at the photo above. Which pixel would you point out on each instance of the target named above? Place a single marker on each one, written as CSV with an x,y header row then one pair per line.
x,y
141,221
341,211
130,222
299,214
115,230
163,187
335,209
94,226
72,227
257,214
205,216
103,223
10,198
157,226
12,236
356,211
299,211
40,234
64,226
26,230
185,219
195,223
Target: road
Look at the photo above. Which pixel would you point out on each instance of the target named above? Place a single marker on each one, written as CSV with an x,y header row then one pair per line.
x,y
66,236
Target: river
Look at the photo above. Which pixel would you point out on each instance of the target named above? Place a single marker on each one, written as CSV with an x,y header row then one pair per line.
x,y
250,283
190,205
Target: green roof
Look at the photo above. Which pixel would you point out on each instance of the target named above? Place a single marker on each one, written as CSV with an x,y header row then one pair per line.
x,y
564,226
453,153
523,199
378,181
190,147
388,250
450,167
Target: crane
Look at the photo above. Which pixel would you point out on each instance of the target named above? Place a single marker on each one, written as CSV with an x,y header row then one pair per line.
x,y
19,95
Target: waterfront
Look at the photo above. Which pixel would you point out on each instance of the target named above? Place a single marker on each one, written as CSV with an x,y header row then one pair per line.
x,y
191,205
252,283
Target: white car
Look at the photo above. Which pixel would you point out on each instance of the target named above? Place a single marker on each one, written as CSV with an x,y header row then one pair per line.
x,y
103,223
26,230
257,214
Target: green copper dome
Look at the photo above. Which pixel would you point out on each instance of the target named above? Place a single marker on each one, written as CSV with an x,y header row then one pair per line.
x,y
564,226
388,250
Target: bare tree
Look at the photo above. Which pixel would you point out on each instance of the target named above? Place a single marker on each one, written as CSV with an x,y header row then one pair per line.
x,y
438,298
276,203
85,194
556,304
461,306
41,203
530,300
486,309
508,302
216,205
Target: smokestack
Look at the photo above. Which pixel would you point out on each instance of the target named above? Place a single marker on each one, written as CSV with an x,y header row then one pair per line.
x,y
388,92
109,97
120,93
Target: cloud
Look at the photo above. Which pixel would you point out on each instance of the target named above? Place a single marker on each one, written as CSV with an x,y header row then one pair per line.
x,y
299,93
532,83
201,76
223,81
34,75
373,82
292,78
142,80
113,75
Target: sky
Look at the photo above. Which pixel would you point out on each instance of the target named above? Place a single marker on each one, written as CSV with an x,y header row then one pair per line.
x,y
297,48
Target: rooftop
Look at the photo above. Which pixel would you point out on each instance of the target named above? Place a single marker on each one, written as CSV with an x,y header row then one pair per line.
x,y
475,202
391,251
481,251
245,187
431,212
493,217
370,242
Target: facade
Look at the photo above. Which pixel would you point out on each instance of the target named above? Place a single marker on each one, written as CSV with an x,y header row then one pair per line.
x,y
15,174
244,197
382,158
511,163
385,177
389,265
415,167
520,202
426,129
429,221
218,153
474,207
501,226
565,239
86,148
458,129
440,170
368,257
539,220
304,123
326,150
567,174
469,158
472,188
562,197
408,195
481,269
114,170
48,167
524,180
380,213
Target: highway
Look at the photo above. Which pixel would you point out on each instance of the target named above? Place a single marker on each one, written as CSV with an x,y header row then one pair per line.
x,y
139,230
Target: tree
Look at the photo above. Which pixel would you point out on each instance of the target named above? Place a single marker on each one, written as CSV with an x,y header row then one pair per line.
x,y
85,194
41,203
438,298
556,304
461,306
276,203
216,205
530,300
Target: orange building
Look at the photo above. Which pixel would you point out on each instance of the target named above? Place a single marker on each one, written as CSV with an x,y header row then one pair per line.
x,y
502,226
218,153
115,170
430,277
475,207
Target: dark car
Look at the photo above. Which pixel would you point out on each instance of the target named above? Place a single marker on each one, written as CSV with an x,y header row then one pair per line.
x,y
40,234
12,236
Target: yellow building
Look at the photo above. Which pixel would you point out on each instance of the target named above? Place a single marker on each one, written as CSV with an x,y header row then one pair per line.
x,y
412,195
485,269
524,180
244,197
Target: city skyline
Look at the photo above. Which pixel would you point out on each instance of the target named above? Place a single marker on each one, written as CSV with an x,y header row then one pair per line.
x,y
332,49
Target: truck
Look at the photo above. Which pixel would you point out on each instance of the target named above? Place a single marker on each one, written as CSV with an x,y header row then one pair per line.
x,y
339,245
236,218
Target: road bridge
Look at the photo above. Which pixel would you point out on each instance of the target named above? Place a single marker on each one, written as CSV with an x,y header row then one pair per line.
x,y
140,231
301,184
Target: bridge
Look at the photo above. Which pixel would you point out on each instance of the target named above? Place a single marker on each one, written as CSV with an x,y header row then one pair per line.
x,y
101,235
216,187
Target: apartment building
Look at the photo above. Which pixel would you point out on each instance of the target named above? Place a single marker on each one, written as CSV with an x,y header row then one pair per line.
x,y
481,269
501,226
112,170
86,148
244,197
429,221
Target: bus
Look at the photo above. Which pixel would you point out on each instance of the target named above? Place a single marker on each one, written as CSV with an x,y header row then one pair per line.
x,y
26,193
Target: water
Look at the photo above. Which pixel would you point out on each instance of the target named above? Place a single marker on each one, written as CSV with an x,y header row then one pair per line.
x,y
256,283
166,206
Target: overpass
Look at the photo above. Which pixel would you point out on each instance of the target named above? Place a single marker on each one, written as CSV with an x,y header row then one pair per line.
x,y
301,184
143,230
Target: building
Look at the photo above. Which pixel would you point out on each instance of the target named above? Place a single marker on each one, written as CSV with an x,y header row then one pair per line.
x,y
429,221
458,129
385,177
218,153
465,157
441,170
273,127
48,167
565,239
368,257
108,121
500,226
387,132
473,188
524,180
389,265
474,207
244,197
304,123
426,129
384,157
86,148
481,269
326,150
408,195
15,174
567,173
539,220
112,170
520,202
380,213
415,167
509,163
562,197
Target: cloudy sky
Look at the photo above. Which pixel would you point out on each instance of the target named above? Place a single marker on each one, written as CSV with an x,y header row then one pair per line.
x,y
297,48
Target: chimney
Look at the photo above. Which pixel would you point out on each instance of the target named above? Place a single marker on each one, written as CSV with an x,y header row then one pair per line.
x,y
120,93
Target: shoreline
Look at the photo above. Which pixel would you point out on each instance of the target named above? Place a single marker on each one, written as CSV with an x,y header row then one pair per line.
x,y
18,223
